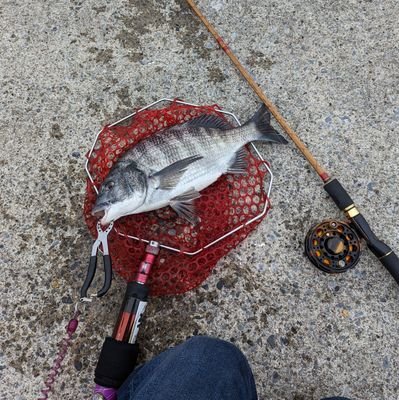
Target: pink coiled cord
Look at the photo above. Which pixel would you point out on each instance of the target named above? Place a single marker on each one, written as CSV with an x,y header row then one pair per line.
x,y
63,349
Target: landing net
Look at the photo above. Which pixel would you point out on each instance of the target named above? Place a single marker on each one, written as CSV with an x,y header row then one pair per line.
x,y
225,206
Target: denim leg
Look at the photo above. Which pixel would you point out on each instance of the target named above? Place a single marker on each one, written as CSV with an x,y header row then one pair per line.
x,y
202,368
335,398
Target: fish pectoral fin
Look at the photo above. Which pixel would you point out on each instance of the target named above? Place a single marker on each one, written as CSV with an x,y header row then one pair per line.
x,y
239,162
169,177
208,121
184,206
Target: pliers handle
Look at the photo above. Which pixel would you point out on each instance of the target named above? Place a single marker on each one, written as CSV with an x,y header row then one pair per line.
x,y
91,271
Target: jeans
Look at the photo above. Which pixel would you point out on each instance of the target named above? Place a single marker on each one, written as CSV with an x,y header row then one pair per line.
x,y
202,368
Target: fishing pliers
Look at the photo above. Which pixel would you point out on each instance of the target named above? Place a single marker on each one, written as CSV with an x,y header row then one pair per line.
x,y
101,240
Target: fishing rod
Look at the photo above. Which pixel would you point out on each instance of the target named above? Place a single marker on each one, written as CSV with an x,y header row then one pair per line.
x,y
332,245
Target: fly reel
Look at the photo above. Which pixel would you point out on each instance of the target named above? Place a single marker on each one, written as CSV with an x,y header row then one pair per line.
x,y
332,246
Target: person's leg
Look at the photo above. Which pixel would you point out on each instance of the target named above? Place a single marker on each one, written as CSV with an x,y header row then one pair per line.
x,y
335,398
202,368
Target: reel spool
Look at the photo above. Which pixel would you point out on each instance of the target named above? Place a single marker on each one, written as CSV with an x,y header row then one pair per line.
x,y
333,246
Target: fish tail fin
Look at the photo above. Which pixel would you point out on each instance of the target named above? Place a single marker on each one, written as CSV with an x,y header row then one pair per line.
x,y
265,132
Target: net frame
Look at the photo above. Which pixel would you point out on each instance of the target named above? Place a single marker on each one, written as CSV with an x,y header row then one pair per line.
x,y
232,117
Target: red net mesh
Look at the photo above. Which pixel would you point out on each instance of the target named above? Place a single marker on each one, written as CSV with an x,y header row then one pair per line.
x,y
222,207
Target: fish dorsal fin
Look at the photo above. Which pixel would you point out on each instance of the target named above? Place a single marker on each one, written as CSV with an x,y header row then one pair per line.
x,y
238,162
184,205
208,121
168,178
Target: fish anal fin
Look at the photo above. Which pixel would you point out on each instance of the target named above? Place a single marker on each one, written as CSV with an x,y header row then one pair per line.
x,y
239,162
169,177
208,121
184,206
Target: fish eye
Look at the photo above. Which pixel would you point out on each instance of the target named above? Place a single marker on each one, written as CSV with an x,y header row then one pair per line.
x,y
109,185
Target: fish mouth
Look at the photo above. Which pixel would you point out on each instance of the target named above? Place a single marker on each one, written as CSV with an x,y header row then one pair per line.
x,y
100,211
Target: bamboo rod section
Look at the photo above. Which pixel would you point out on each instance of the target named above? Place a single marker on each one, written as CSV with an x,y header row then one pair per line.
x,y
272,108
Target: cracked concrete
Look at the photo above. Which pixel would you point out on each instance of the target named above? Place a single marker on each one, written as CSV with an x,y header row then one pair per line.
x,y
67,68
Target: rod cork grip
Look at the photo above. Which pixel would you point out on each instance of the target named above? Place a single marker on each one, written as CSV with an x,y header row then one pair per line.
x,y
338,194
117,361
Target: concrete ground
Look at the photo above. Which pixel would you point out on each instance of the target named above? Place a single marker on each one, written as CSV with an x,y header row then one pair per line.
x,y
68,67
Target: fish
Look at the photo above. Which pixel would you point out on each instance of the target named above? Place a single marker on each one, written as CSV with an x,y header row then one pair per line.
x,y
172,167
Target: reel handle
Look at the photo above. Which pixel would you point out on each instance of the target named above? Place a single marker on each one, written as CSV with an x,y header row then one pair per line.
x,y
344,202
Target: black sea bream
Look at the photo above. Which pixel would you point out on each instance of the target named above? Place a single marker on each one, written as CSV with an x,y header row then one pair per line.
x,y
171,167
